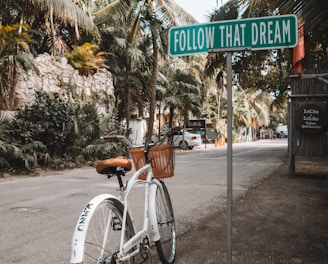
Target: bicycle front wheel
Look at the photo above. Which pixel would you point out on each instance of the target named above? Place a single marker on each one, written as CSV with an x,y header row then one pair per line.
x,y
104,233
166,245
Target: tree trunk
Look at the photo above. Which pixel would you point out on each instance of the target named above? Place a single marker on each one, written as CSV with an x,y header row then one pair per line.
x,y
153,82
52,26
171,117
127,92
127,106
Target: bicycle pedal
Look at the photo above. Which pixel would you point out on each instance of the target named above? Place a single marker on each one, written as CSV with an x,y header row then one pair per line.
x,y
116,224
110,259
145,251
146,255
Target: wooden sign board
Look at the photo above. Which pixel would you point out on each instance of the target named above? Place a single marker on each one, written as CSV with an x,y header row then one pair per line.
x,y
311,118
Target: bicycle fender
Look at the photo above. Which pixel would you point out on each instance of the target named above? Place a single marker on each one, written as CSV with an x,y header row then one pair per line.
x,y
152,214
81,227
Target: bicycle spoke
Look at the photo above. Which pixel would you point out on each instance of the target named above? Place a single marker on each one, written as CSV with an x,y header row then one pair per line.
x,y
104,234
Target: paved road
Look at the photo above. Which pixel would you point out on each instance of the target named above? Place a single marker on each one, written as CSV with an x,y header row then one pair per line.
x,y
38,215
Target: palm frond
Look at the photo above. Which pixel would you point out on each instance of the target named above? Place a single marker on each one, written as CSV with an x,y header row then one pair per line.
x,y
69,12
176,13
105,14
33,146
136,54
4,163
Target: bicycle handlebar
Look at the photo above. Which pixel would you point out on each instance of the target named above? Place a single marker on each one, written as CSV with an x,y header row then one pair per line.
x,y
109,137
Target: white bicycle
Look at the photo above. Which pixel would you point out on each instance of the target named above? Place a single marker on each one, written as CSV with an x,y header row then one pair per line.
x,y
105,232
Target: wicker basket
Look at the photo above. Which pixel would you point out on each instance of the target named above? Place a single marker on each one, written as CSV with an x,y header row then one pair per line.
x,y
161,160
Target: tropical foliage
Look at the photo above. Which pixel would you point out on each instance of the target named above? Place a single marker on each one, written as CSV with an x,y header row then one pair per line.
x,y
146,24
268,71
132,36
52,22
17,155
56,133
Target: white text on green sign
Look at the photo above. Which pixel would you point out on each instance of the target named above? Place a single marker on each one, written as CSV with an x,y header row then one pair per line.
x,y
256,33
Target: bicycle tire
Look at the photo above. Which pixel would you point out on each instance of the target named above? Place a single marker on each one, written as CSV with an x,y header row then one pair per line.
x,y
166,245
99,247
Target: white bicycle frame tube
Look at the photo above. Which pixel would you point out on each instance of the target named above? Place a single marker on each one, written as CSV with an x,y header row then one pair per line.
x,y
152,212
149,217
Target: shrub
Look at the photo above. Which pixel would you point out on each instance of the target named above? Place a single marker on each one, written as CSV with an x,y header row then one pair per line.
x,y
54,133
86,59
100,149
49,120
86,130
18,156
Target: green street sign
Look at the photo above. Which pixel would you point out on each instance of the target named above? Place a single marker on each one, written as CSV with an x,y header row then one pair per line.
x,y
261,33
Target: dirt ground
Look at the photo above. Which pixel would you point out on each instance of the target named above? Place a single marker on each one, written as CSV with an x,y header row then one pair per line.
x,y
282,220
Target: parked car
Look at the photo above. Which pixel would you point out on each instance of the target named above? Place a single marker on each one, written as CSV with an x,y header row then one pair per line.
x,y
282,131
187,141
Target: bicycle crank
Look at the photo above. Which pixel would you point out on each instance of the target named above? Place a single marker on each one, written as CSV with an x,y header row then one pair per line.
x,y
109,260
145,251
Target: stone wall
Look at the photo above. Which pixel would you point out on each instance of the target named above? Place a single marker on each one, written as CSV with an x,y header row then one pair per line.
x,y
56,75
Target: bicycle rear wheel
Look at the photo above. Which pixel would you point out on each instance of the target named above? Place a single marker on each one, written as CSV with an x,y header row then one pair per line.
x,y
104,233
166,245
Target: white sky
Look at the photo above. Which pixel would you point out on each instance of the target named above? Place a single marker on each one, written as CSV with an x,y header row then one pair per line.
x,y
199,9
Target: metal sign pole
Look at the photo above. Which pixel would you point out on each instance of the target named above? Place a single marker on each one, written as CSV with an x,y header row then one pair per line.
x,y
229,158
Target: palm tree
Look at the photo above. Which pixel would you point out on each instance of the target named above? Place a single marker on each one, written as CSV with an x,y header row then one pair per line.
x,y
251,109
196,67
17,39
34,12
314,12
151,18
182,95
122,40
314,16
69,13
259,104
215,61
13,55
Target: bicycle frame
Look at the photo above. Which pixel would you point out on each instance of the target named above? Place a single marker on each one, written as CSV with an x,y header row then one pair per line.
x,y
149,217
